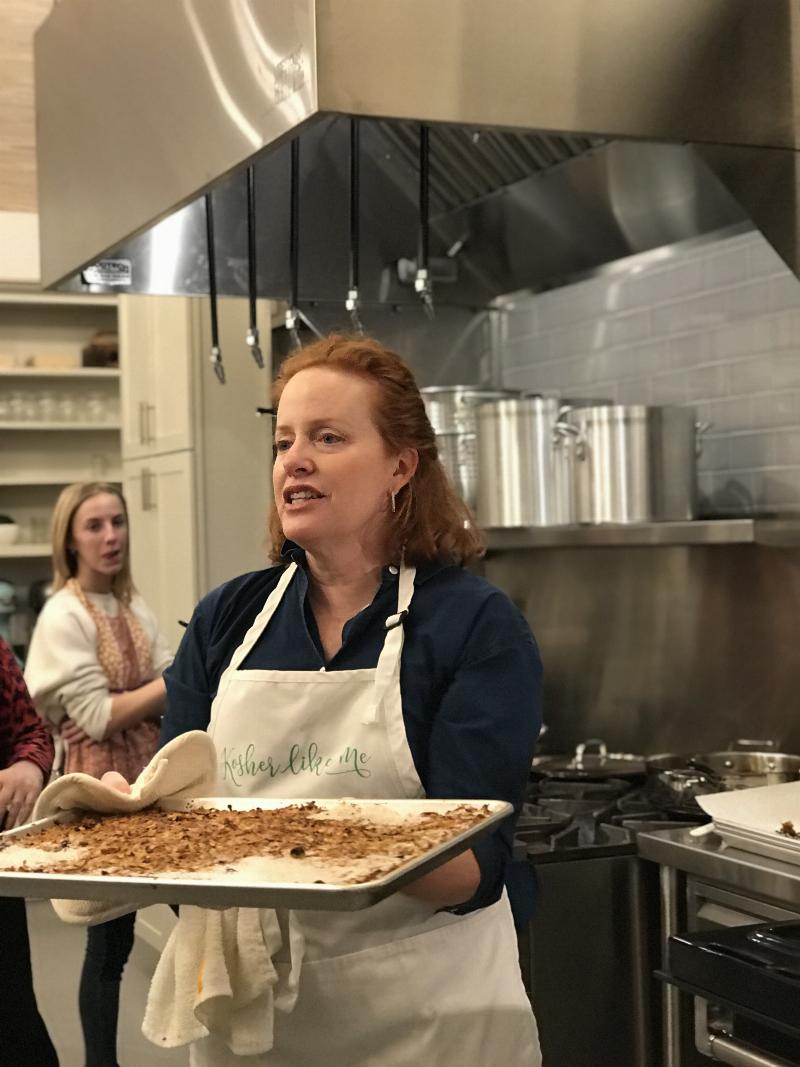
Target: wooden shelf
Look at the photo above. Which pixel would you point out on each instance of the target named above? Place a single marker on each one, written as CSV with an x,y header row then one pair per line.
x,y
25,550
61,300
54,372
21,482
71,427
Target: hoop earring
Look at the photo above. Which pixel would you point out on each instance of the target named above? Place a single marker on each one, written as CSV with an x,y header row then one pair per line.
x,y
394,505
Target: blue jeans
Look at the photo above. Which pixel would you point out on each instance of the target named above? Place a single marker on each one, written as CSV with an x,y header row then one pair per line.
x,y
108,947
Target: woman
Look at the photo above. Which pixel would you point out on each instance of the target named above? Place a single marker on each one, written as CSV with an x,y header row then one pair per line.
x,y
370,650
94,672
26,757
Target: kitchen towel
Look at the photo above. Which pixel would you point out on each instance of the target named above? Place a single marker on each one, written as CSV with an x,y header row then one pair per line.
x,y
216,976
186,767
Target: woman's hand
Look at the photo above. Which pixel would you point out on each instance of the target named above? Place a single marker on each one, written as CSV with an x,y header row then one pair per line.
x,y
20,785
114,780
71,732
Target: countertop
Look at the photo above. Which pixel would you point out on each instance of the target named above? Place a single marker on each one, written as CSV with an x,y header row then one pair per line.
x,y
710,858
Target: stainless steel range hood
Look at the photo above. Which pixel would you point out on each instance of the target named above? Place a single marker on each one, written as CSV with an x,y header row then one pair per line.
x,y
565,135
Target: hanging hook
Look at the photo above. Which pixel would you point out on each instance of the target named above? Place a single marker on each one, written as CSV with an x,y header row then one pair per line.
x,y
352,301
292,312
422,279
216,351
252,337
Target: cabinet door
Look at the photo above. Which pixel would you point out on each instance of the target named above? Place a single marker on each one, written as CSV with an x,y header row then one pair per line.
x,y
163,526
234,448
156,342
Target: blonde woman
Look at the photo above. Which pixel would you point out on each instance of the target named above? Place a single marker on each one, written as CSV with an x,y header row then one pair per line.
x,y
94,673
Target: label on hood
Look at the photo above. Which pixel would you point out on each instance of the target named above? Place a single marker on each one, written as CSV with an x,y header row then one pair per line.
x,y
109,272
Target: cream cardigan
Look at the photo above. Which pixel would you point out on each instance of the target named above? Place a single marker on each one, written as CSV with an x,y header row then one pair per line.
x,y
62,671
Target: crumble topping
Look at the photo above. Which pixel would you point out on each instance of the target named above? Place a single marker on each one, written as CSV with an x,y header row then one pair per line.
x,y
305,838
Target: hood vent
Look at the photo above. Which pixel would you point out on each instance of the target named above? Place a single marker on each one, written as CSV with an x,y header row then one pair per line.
x,y
467,165
564,136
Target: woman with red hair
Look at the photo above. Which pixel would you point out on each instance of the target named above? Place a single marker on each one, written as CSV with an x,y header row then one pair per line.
x,y
370,646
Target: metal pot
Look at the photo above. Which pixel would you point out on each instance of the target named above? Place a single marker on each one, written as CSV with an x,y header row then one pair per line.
x,y
451,410
634,462
590,765
732,769
677,790
525,464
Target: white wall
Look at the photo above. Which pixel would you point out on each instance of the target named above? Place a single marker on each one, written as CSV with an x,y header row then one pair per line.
x,y
718,327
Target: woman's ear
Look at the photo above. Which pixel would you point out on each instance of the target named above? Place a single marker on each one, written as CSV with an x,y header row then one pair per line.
x,y
407,463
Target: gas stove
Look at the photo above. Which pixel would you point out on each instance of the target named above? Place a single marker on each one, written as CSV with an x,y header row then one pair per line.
x,y
562,820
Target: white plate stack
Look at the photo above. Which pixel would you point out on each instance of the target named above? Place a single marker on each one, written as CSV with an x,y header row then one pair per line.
x,y
751,819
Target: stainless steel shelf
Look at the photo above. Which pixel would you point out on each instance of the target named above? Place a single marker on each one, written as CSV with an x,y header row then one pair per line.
x,y
778,533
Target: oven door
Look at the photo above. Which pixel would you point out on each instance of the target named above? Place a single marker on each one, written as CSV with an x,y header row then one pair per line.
x,y
711,1030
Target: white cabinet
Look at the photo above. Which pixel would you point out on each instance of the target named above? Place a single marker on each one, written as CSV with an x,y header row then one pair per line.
x,y
197,459
157,388
59,423
162,508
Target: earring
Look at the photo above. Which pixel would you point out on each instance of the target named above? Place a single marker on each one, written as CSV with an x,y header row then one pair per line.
x,y
394,506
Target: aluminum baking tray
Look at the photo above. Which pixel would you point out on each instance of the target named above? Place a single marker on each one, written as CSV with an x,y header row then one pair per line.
x,y
250,884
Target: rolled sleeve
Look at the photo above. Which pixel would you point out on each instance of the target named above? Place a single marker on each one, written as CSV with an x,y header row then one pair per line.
x,y
484,733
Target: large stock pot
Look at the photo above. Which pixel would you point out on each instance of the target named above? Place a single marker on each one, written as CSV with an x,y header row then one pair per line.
x,y
452,411
525,464
634,462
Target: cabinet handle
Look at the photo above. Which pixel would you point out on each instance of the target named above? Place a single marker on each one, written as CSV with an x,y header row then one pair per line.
x,y
142,421
149,412
148,503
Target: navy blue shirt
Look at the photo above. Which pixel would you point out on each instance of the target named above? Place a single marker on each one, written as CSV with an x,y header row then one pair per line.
x,y
470,682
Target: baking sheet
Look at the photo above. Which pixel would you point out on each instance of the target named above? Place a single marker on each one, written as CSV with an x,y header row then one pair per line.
x,y
260,882
762,809
749,819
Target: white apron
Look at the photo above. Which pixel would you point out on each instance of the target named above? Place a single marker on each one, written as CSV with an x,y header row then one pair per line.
x,y
397,983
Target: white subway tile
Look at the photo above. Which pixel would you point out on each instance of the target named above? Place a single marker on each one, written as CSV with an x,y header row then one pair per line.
x,y
714,454
668,388
635,392
707,383
584,337
784,292
749,450
767,372
625,329
522,320
749,300
785,447
531,378
725,415
689,349
775,409
763,260
522,351
726,268
779,488
736,340
698,313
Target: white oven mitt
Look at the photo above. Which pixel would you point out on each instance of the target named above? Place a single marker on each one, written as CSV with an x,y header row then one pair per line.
x,y
185,767
216,979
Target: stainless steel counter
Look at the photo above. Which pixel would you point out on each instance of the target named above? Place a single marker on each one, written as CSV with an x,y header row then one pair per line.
x,y
711,859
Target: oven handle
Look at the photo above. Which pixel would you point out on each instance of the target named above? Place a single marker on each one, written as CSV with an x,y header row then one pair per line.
x,y
724,1049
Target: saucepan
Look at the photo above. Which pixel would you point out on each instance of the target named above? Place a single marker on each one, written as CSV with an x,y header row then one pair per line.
x,y
732,769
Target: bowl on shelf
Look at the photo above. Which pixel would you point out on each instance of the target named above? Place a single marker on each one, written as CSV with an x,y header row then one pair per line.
x,y
9,532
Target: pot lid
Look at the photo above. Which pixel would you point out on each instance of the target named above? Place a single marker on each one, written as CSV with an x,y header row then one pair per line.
x,y
592,759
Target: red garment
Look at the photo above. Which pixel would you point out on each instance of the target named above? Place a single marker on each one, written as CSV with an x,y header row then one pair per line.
x,y
23,734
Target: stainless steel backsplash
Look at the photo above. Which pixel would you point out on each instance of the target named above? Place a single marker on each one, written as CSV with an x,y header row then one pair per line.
x,y
662,649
